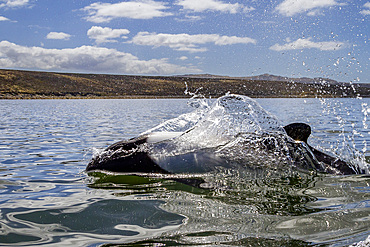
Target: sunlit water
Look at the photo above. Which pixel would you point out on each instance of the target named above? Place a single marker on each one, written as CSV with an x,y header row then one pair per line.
x,y
48,199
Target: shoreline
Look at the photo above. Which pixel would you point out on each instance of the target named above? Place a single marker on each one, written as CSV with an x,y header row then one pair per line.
x,y
15,84
47,97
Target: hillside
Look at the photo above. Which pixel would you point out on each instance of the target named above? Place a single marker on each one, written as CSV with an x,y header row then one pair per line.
x,y
31,84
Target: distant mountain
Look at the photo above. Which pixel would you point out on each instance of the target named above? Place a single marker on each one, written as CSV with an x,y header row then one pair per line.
x,y
18,84
316,80
267,77
202,76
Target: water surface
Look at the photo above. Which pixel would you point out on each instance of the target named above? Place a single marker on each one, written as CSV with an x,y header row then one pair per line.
x,y
47,198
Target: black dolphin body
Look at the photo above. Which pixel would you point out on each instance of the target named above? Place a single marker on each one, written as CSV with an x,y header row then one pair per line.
x,y
130,157
126,156
327,163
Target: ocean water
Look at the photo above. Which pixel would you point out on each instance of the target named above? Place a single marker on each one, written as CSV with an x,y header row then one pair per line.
x,y
46,198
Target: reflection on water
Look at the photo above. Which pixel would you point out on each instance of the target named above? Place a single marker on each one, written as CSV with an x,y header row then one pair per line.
x,y
46,198
315,209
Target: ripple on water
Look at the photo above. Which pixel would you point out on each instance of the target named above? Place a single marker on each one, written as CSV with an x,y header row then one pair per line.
x,y
46,200
120,219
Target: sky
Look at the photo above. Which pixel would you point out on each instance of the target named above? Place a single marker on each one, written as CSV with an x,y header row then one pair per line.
x,y
293,38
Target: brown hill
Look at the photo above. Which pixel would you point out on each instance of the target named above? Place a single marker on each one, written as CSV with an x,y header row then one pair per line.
x,y
31,84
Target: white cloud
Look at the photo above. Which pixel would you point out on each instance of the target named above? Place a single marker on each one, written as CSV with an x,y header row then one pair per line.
x,y
140,9
313,7
58,35
189,18
106,34
84,58
13,3
300,44
2,18
213,5
187,42
367,10
183,58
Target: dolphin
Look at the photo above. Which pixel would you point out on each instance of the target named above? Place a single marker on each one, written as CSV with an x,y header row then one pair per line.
x,y
130,156
327,163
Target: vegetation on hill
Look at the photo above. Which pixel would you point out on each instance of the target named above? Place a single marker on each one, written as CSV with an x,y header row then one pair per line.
x,y
31,84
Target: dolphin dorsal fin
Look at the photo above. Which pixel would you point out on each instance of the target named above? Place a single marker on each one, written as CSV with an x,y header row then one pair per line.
x,y
298,131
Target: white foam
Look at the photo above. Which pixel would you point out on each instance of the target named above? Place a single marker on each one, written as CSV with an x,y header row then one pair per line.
x,y
155,137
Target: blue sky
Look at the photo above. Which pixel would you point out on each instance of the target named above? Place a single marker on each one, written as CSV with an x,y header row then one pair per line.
x,y
295,38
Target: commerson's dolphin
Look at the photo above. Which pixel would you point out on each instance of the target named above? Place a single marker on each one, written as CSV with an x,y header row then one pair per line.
x,y
131,156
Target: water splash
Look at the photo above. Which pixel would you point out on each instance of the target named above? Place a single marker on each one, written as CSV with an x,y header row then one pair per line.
x,y
233,132
186,121
345,147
